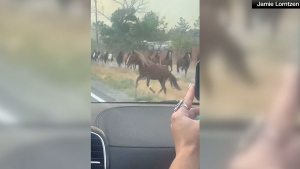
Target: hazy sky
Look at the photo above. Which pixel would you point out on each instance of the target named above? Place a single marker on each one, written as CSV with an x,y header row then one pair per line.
x,y
171,9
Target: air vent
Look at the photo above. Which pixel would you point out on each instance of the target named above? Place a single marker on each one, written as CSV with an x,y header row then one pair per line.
x,y
98,153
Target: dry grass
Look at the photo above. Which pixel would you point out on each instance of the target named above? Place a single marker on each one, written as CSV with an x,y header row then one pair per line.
x,y
119,76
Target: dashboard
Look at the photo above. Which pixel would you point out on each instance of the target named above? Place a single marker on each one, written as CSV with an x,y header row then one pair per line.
x,y
131,136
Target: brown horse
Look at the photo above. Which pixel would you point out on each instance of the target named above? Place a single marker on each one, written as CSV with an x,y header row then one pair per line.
x,y
152,71
156,57
168,60
120,58
125,59
184,62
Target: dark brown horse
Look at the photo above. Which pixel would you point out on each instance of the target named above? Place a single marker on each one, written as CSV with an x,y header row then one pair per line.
x,y
156,57
128,65
152,71
184,62
125,59
94,55
120,58
168,60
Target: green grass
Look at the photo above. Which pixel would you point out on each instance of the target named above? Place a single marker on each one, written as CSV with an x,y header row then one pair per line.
x,y
127,86
142,96
120,84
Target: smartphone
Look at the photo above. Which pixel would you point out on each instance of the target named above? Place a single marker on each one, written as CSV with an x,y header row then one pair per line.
x,y
197,81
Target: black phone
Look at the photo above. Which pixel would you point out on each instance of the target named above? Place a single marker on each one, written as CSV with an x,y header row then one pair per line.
x,y
197,81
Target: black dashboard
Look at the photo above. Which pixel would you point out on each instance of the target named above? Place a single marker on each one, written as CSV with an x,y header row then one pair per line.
x,y
131,136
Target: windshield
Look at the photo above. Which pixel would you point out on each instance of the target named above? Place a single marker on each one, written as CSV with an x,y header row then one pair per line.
x,y
144,51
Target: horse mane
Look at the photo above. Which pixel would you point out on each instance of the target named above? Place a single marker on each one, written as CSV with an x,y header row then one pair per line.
x,y
143,59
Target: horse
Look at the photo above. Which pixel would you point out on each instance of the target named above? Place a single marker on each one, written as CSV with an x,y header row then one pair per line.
x,y
105,57
155,57
120,58
110,57
168,60
125,59
152,71
97,56
93,56
184,62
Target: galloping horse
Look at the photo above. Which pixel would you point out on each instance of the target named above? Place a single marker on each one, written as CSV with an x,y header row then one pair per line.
x,y
104,57
168,60
93,56
184,62
125,60
110,57
155,57
97,56
120,58
152,71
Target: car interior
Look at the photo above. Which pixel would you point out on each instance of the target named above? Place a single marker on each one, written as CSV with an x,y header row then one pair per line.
x,y
132,135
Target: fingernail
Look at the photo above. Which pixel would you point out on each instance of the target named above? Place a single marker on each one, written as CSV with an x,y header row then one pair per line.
x,y
190,85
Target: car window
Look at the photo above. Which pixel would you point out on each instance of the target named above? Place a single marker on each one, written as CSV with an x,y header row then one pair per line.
x,y
143,51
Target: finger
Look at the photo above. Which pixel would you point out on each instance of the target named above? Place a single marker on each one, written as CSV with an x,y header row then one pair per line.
x,y
189,97
193,113
188,100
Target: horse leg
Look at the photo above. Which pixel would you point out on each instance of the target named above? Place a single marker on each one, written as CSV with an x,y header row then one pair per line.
x,y
185,71
161,84
177,69
148,85
137,80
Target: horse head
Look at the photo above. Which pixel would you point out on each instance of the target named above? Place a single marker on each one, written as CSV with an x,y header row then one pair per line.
x,y
169,55
188,56
129,60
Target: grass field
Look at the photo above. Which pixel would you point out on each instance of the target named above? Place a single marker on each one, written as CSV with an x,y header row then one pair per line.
x,y
124,80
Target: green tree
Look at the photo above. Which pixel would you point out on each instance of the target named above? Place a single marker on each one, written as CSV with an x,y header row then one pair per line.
x,y
182,26
197,24
150,28
122,20
196,31
116,35
181,35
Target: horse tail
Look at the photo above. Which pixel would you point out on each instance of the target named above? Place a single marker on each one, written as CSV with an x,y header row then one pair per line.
x,y
173,82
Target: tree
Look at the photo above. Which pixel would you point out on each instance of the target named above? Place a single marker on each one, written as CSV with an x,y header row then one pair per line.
x,y
138,5
181,35
150,28
197,24
182,26
196,31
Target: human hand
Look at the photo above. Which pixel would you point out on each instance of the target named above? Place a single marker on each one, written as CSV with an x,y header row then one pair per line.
x,y
186,134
